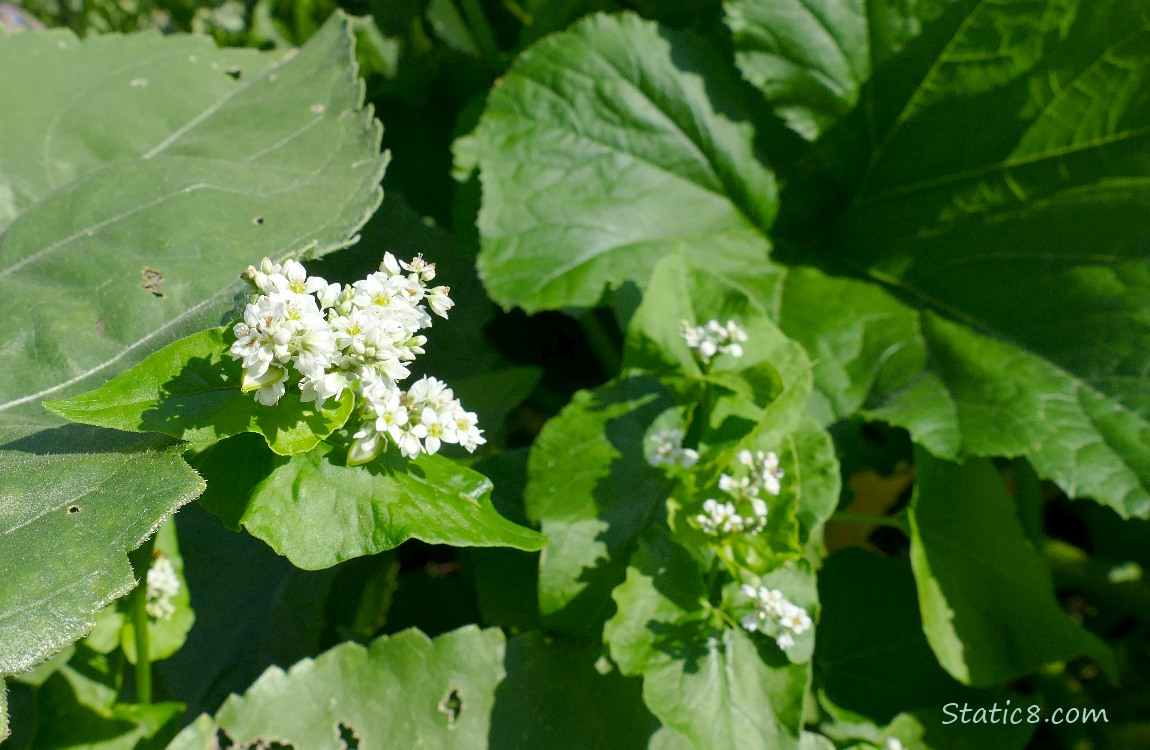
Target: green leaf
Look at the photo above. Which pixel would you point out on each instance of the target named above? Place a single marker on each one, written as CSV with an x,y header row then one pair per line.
x,y
145,178
73,501
871,654
318,512
987,600
165,636
679,291
630,124
592,491
253,609
809,57
560,694
443,690
1043,219
77,707
191,390
707,682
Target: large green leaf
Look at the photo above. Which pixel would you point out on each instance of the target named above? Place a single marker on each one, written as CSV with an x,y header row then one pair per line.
x,y
77,707
73,500
709,683
871,654
144,178
318,512
403,691
809,57
557,695
191,389
987,601
592,492
606,147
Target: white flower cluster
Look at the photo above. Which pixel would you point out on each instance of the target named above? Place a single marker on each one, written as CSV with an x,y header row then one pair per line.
x,y
665,448
714,338
361,337
764,473
774,612
163,584
427,412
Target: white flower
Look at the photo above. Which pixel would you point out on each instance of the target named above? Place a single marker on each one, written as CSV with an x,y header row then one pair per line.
x,y
329,385
328,338
162,585
713,338
665,448
439,302
892,743
774,614
440,429
719,518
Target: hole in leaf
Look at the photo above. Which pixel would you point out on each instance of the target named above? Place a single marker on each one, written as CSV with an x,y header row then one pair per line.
x,y
74,509
347,736
235,72
223,740
261,744
452,705
258,220
151,281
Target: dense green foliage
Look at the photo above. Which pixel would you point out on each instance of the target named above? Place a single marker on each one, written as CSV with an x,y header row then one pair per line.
x,y
918,228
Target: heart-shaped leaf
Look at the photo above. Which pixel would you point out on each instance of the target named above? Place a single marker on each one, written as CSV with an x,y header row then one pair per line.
x,y
318,512
191,389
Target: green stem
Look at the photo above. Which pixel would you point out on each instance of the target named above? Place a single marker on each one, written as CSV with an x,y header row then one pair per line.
x,y
142,561
602,343
700,416
518,11
481,28
1074,568
894,522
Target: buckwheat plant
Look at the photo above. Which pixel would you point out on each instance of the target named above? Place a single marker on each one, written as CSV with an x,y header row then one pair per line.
x,y
327,339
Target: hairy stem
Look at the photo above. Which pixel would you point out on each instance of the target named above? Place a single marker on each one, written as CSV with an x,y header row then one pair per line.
x,y
142,561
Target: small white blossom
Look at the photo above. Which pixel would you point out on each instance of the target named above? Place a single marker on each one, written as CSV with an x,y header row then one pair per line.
x,y
418,420
719,518
774,614
892,743
714,338
162,586
665,448
746,504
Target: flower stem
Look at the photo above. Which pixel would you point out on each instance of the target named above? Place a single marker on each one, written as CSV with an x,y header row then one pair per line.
x,y
142,561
